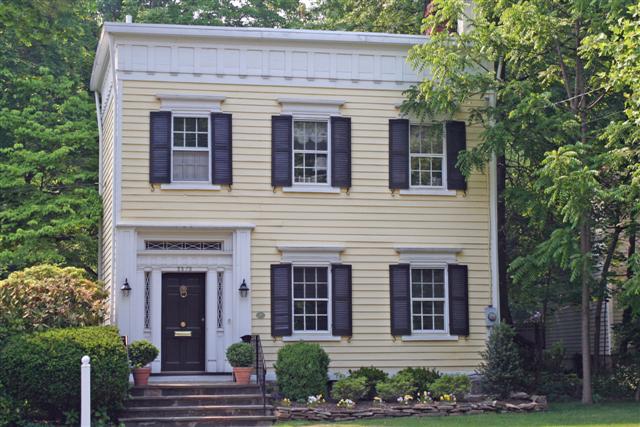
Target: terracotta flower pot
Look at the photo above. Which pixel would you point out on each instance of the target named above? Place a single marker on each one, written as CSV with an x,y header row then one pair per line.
x,y
242,375
141,376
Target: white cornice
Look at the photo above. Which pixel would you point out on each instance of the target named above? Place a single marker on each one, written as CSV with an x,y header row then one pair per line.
x,y
252,33
329,107
426,250
291,248
186,225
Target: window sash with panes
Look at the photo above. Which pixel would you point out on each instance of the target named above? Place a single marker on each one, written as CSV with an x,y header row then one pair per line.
x,y
426,155
190,156
310,152
428,300
311,299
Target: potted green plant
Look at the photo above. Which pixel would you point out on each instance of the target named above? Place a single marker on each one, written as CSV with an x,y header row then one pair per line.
x,y
240,357
141,353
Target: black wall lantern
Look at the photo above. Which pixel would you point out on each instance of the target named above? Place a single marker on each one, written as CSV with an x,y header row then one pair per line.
x,y
244,289
125,288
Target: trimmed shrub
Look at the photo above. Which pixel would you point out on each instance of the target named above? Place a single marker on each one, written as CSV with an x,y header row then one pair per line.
x,y
141,353
302,370
43,369
47,296
501,366
240,355
398,386
373,377
354,388
458,385
422,378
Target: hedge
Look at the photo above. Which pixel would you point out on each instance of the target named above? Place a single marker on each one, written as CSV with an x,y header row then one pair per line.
x,y
43,369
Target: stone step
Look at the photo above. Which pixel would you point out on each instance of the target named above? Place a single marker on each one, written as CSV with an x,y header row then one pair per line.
x,y
231,421
196,411
196,400
189,389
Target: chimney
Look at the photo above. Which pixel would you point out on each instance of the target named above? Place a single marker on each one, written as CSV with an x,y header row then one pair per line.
x,y
429,10
128,19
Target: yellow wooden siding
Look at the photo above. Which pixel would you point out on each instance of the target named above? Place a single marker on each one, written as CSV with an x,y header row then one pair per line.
x,y
369,220
108,138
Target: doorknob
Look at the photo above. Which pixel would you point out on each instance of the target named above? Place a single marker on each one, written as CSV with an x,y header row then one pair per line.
x,y
183,324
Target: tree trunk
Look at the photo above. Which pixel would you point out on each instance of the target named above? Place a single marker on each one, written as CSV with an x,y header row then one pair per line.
x,y
585,249
503,278
603,297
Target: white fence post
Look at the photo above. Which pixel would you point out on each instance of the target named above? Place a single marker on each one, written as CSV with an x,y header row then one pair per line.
x,y
85,392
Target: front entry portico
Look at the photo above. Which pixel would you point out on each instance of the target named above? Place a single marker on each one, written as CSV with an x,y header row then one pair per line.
x,y
184,276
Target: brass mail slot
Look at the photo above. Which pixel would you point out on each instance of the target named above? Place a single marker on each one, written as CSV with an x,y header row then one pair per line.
x,y
182,333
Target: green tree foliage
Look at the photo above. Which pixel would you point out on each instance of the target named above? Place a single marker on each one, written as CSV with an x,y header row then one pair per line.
x,y
387,16
47,296
248,13
49,204
569,182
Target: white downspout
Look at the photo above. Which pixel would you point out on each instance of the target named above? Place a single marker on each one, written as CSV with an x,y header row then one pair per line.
x,y
493,224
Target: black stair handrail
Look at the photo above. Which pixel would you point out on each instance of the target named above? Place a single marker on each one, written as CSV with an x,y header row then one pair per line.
x,y
261,369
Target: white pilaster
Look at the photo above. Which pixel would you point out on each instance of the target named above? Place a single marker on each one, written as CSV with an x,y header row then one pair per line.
x,y
125,270
211,311
156,316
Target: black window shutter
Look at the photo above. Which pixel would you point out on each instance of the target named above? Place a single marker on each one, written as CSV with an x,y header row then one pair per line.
x,y
341,152
341,299
281,300
458,300
398,154
160,147
456,141
221,155
400,299
281,150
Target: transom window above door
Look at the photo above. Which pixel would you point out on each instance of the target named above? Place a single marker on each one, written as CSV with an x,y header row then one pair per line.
x,y
311,299
426,155
310,151
428,299
190,149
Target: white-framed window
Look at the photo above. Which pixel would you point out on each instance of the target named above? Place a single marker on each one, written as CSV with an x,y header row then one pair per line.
x,y
427,156
429,299
311,151
311,299
190,154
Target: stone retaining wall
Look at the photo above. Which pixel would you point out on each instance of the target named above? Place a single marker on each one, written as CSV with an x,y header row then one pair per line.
x,y
331,413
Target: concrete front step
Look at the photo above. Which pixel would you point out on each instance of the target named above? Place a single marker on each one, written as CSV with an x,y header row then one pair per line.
x,y
196,400
231,421
196,411
195,389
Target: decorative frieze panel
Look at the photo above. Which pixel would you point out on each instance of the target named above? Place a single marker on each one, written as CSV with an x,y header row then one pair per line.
x,y
385,67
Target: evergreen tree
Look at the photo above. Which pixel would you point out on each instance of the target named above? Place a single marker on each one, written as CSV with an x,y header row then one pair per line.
x,y
501,367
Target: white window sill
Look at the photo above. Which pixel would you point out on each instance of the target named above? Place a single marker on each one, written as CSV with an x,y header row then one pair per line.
x,y
310,189
429,337
311,337
189,186
428,192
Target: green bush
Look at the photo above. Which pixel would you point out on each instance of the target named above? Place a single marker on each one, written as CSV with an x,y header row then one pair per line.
x,y
240,355
141,353
43,369
422,378
458,385
373,377
559,386
47,296
392,388
501,366
301,370
354,388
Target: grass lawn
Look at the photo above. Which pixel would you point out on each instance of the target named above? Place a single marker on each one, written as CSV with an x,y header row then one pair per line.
x,y
619,414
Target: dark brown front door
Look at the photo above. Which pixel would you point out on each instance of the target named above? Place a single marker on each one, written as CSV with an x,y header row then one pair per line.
x,y
183,321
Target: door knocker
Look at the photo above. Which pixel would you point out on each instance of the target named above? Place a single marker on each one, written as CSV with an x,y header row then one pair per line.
x,y
183,291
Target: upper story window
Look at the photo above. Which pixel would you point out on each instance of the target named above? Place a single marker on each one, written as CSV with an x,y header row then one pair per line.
x,y
426,155
311,299
190,154
428,299
310,151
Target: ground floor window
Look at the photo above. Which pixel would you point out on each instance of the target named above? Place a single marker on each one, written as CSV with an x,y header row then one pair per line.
x,y
428,299
311,299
